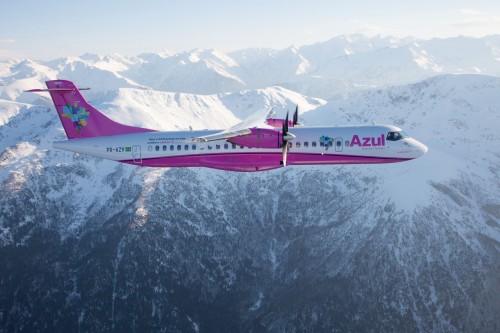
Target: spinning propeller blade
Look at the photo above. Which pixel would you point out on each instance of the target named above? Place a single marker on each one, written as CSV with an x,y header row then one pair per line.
x,y
296,117
286,138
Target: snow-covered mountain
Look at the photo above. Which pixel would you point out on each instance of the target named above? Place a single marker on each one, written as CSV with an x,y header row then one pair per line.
x,y
92,245
327,69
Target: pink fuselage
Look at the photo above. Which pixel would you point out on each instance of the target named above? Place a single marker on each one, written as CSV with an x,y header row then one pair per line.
x,y
312,145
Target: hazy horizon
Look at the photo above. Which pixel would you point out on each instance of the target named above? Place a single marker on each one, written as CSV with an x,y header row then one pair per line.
x,y
60,29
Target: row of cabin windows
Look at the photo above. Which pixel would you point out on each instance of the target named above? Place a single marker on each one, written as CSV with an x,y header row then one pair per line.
x,y
233,146
321,144
192,147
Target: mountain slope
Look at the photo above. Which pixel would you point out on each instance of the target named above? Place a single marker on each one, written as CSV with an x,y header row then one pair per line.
x,y
411,246
176,111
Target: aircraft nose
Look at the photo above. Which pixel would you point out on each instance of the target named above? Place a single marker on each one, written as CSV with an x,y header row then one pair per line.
x,y
421,148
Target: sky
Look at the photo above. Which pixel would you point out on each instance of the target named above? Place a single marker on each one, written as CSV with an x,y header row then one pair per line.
x,y
45,30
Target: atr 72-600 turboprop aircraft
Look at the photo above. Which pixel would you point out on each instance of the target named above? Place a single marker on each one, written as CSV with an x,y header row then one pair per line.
x,y
257,143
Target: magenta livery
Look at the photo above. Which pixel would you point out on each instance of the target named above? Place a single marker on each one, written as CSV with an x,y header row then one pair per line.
x,y
259,142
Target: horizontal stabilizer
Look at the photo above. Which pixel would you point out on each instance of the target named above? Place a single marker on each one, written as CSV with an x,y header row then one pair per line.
x,y
56,89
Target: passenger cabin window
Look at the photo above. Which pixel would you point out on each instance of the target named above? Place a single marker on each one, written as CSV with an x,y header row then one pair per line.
x,y
290,145
226,146
233,146
339,143
157,148
186,147
209,147
313,143
164,148
217,146
171,147
297,145
179,147
347,143
321,144
306,144
193,147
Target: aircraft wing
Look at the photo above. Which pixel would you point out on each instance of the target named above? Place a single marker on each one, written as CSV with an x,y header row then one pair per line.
x,y
257,119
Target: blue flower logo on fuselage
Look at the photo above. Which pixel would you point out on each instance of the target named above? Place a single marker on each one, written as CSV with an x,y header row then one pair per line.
x,y
326,140
77,115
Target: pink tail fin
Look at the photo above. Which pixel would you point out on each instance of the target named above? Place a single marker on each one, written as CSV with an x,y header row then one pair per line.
x,y
80,119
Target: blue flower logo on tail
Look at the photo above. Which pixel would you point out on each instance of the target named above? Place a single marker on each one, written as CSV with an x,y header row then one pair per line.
x,y
77,114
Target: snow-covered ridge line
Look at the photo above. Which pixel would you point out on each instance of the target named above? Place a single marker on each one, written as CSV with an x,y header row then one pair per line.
x,y
326,69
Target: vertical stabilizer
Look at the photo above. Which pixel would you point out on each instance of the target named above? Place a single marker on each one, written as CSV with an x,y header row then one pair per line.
x,y
80,119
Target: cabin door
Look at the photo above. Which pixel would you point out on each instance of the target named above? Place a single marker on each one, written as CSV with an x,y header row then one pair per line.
x,y
136,154
339,144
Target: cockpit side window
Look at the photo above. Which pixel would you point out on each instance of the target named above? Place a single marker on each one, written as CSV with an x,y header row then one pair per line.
x,y
395,136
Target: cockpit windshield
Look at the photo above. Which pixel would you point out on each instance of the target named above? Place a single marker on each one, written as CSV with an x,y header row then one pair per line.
x,y
395,136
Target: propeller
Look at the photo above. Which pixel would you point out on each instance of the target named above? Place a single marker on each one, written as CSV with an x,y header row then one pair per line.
x,y
286,138
296,117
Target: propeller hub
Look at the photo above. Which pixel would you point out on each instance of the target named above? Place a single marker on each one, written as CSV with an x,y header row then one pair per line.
x,y
288,137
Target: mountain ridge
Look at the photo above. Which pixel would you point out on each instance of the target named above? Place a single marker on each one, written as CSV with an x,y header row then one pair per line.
x,y
326,69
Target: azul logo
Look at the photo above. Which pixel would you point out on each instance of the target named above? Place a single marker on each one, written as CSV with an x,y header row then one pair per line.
x,y
77,115
368,142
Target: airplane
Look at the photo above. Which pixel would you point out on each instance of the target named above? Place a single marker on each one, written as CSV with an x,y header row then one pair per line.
x,y
257,143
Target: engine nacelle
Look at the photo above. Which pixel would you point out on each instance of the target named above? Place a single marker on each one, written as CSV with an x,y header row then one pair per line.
x,y
278,122
259,138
